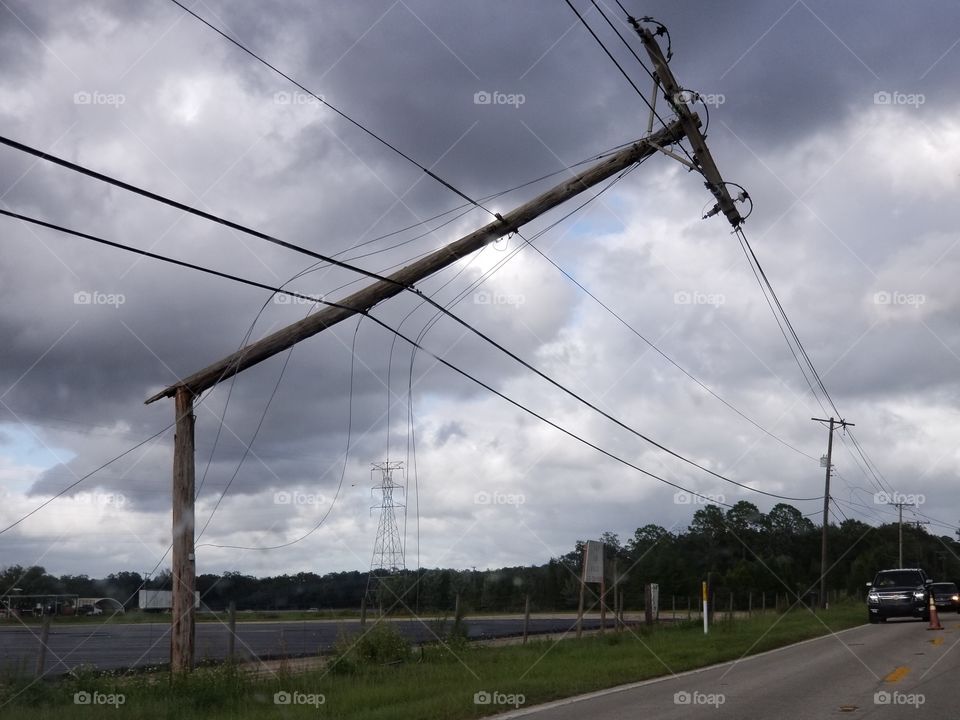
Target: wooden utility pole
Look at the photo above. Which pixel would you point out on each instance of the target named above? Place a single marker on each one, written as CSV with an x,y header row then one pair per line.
x,y
44,639
375,293
583,588
526,618
673,92
232,627
603,603
900,535
826,507
183,559
918,523
184,568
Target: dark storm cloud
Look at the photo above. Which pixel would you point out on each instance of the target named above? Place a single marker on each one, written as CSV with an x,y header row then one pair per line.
x,y
205,123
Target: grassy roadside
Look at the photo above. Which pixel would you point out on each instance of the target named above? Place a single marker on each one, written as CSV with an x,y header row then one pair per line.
x,y
439,683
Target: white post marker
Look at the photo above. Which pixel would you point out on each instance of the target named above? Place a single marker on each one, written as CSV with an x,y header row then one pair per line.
x,y
705,628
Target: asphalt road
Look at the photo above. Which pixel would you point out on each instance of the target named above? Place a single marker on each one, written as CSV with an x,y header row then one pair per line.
x,y
894,670
115,645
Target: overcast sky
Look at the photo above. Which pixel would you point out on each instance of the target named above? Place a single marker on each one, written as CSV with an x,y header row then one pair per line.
x,y
840,120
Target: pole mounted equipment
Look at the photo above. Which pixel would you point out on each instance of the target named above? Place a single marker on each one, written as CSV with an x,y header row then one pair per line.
x,y
675,95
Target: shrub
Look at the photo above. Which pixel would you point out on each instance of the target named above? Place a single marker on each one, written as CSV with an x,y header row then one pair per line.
x,y
383,644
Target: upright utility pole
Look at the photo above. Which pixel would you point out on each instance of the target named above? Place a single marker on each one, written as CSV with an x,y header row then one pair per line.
x,y
918,523
184,390
183,559
899,506
826,506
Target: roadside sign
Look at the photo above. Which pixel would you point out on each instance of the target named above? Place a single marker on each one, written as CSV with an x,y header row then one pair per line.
x,y
593,562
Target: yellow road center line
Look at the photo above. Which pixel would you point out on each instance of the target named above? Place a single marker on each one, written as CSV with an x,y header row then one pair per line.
x,y
898,674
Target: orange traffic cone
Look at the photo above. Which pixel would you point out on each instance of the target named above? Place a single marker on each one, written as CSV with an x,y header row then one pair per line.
x,y
934,618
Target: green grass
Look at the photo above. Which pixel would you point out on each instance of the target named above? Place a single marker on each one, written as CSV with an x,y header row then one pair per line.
x,y
435,683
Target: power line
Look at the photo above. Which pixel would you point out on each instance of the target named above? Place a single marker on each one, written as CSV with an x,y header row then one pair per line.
x,y
600,411
640,93
318,265
458,320
430,323
871,466
610,54
786,319
249,445
839,510
189,209
623,72
766,286
666,357
72,485
776,317
860,467
413,343
339,112
466,208
343,471
377,276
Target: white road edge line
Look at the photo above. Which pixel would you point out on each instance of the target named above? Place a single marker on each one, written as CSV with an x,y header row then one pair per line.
x,y
632,686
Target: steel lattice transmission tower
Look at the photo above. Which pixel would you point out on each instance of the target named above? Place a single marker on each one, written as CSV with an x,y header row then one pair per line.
x,y
388,548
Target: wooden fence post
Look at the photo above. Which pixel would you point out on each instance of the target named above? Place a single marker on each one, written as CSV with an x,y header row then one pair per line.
x,y
232,639
42,650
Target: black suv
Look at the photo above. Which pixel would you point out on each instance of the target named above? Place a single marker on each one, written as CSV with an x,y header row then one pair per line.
x,y
903,592
946,596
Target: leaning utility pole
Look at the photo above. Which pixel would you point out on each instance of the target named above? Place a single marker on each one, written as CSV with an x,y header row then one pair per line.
x,y
185,390
673,92
826,507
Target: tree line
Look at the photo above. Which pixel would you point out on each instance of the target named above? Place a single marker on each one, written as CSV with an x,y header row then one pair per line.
x,y
740,549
